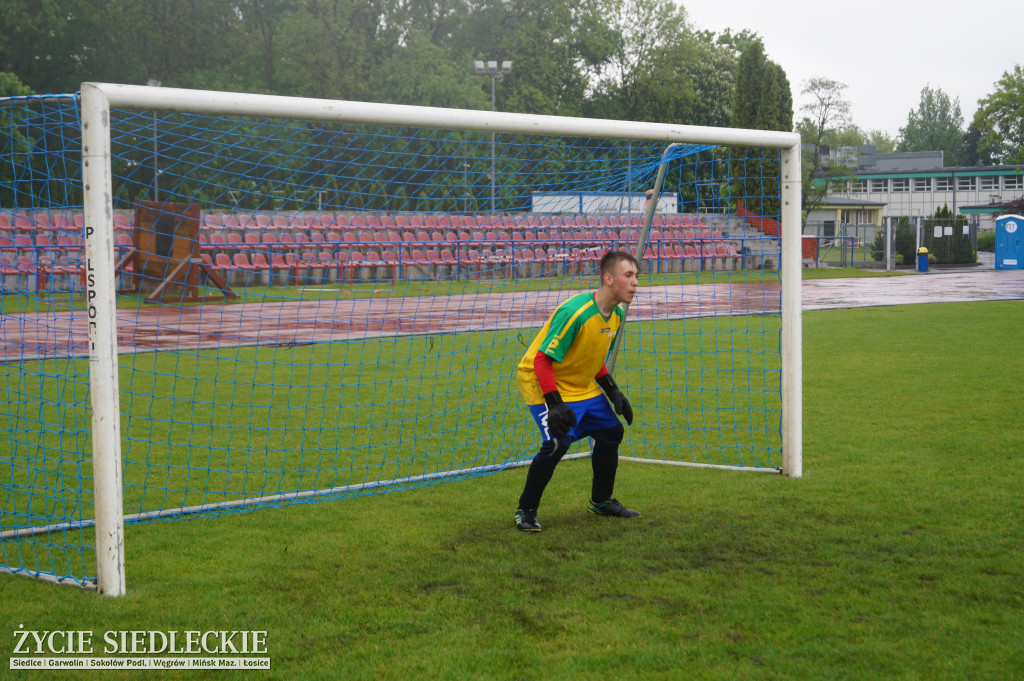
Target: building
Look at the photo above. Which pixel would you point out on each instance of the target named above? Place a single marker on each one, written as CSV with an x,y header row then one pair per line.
x,y
914,184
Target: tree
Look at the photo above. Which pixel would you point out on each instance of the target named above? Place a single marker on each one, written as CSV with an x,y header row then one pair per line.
x,y
556,49
424,74
11,86
904,242
829,109
46,42
331,49
15,143
646,78
1000,120
936,125
763,101
948,248
880,140
829,114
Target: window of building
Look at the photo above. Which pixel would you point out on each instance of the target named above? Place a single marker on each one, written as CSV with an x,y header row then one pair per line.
x,y
922,184
901,184
943,184
1013,182
966,184
879,185
859,186
990,183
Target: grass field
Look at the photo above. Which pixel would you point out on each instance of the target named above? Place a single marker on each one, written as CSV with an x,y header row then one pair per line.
x,y
897,556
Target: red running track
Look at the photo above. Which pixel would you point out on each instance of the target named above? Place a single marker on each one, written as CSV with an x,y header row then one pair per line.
x,y
65,334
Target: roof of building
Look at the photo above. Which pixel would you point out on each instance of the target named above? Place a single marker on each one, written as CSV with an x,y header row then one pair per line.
x,y
866,161
940,172
839,202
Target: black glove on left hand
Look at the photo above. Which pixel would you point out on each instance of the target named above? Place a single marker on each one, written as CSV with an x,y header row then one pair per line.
x,y
618,400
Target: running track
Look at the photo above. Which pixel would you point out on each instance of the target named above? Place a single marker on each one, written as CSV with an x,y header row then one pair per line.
x,y
62,334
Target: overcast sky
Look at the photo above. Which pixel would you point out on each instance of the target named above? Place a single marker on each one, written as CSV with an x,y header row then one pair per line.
x,y
886,51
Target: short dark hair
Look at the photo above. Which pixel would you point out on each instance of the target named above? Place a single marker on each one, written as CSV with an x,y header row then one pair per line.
x,y
612,258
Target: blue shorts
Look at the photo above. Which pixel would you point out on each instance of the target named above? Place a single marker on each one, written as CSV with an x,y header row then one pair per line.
x,y
591,415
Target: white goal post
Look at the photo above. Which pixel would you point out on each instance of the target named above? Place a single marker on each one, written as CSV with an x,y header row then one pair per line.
x,y
97,100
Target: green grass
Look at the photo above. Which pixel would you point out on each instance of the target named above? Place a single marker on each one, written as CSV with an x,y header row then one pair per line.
x,y
897,556
205,426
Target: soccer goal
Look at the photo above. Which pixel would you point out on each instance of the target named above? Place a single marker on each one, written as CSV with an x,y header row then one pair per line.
x,y
248,301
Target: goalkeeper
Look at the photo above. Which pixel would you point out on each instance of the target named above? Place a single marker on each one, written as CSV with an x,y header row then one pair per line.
x,y
559,377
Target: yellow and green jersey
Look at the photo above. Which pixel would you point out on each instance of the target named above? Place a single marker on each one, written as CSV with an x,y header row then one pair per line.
x,y
579,338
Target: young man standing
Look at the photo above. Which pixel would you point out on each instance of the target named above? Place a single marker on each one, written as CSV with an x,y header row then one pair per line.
x,y
559,377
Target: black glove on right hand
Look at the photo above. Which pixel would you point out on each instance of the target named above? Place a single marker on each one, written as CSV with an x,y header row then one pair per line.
x,y
618,400
560,417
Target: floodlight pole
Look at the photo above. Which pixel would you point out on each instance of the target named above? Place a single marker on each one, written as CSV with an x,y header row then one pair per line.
x,y
491,68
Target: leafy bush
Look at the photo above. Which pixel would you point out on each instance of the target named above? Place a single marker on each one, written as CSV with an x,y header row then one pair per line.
x,y
956,248
987,241
904,250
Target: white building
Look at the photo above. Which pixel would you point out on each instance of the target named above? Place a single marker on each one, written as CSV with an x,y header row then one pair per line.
x,y
915,184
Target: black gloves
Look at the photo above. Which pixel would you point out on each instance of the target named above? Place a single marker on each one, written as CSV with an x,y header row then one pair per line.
x,y
560,417
618,400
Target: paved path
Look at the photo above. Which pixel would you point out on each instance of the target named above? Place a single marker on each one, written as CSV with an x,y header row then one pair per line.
x,y
62,334
936,286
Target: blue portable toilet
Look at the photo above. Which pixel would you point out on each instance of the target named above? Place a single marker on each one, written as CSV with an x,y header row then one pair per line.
x,y
1009,254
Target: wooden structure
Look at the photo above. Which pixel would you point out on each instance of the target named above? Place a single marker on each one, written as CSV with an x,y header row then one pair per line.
x,y
164,255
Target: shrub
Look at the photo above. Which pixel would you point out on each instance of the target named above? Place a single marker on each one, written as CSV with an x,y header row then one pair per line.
x,y
987,241
904,249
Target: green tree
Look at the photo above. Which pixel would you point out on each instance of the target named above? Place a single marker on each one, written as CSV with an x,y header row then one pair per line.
x,y
1000,120
904,242
11,86
762,101
422,73
643,78
15,144
881,140
954,248
936,125
555,49
46,42
331,49
828,115
762,96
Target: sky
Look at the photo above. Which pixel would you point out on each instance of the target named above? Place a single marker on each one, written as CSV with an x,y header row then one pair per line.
x,y
886,51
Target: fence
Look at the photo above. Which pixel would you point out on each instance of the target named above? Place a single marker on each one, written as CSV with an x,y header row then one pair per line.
x,y
845,245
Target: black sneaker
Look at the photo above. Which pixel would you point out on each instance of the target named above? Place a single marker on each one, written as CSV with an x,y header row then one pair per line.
x,y
526,520
613,508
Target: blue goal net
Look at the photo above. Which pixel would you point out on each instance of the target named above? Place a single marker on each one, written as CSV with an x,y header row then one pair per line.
x,y
311,310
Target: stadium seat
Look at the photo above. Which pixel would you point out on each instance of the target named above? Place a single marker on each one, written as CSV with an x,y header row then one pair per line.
x,y
122,223
390,265
351,267
27,273
281,265
449,263
241,269
23,225
233,241
691,261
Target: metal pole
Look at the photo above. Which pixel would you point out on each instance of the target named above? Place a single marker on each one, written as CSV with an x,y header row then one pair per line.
x,y
888,244
156,149
156,163
493,77
652,204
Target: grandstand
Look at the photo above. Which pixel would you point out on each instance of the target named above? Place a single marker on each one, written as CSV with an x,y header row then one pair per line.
x,y
42,250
